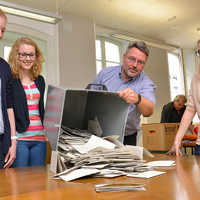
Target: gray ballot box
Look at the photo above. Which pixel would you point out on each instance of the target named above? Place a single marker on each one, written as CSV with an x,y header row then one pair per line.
x,y
75,107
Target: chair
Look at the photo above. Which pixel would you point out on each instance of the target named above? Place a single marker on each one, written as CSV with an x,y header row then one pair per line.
x,y
189,142
189,145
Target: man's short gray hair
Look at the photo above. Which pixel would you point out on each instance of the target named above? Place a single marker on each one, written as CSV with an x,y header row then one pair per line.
x,y
139,45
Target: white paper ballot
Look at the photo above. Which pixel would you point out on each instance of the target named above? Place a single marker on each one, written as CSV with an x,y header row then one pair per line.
x,y
147,174
100,166
161,163
93,143
78,173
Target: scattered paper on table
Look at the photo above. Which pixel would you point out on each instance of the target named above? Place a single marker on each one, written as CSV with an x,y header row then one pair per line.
x,y
118,187
78,173
161,163
147,174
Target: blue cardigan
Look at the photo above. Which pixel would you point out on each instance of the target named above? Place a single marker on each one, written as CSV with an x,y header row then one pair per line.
x,y
20,103
6,102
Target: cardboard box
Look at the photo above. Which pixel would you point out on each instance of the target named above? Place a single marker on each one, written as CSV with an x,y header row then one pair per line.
x,y
74,108
159,136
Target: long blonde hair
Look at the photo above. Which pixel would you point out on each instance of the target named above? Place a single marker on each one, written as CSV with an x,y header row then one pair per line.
x,y
13,58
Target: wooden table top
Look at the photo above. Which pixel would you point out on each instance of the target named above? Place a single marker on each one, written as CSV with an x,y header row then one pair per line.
x,y
181,182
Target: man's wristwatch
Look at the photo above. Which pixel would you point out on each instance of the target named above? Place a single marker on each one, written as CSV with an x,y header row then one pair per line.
x,y
139,99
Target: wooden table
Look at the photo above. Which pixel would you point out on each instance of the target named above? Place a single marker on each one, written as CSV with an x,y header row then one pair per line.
x,y
181,182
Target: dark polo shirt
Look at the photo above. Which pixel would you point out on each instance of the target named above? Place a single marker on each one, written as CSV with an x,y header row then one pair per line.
x,y
170,114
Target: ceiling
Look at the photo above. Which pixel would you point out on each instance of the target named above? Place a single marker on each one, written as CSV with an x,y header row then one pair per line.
x,y
170,21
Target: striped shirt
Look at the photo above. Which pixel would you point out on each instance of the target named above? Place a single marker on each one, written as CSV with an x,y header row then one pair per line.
x,y
35,128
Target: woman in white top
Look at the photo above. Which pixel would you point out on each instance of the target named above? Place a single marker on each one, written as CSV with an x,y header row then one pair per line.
x,y
193,107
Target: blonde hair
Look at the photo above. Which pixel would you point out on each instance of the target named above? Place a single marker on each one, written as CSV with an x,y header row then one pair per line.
x,y
15,64
2,14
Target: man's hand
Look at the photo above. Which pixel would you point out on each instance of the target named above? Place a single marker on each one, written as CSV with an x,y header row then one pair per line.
x,y
129,95
11,155
145,106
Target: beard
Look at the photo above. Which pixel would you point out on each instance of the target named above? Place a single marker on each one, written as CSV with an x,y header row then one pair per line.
x,y
129,72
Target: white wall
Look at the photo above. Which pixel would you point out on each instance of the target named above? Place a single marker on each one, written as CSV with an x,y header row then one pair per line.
x,y
77,51
189,66
157,69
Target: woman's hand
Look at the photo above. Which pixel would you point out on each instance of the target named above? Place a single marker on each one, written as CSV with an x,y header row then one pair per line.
x,y
11,155
175,149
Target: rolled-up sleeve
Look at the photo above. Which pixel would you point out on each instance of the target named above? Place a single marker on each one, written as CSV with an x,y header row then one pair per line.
x,y
148,90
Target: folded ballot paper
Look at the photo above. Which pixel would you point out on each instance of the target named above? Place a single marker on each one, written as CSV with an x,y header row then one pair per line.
x,y
78,173
147,174
161,163
93,143
119,187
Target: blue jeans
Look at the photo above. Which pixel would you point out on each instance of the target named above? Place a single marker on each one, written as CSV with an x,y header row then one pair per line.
x,y
197,150
30,153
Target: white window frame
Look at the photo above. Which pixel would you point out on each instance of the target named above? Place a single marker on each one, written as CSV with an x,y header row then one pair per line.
x,y
182,82
102,42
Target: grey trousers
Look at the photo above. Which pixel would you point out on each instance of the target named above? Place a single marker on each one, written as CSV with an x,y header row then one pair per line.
x,y
131,139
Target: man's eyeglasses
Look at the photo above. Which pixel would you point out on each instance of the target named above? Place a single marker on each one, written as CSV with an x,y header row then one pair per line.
x,y
26,55
134,60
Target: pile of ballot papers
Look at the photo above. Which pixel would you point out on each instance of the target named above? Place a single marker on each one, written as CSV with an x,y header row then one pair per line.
x,y
81,154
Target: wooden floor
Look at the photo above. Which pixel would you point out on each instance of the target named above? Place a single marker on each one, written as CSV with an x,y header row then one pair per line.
x,y
181,182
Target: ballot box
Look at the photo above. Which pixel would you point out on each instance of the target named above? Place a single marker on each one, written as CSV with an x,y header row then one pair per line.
x,y
159,136
74,108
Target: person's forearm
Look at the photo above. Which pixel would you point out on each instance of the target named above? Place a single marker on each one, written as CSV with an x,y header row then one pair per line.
x,y
11,154
191,128
12,121
185,123
146,107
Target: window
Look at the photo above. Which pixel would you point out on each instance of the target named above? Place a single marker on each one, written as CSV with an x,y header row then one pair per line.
x,y
98,56
107,53
6,52
175,75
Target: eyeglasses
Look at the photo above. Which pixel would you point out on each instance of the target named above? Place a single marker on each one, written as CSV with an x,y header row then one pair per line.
x,y
134,60
26,55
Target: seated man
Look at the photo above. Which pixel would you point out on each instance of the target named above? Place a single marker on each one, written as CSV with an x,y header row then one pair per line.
x,y
173,111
